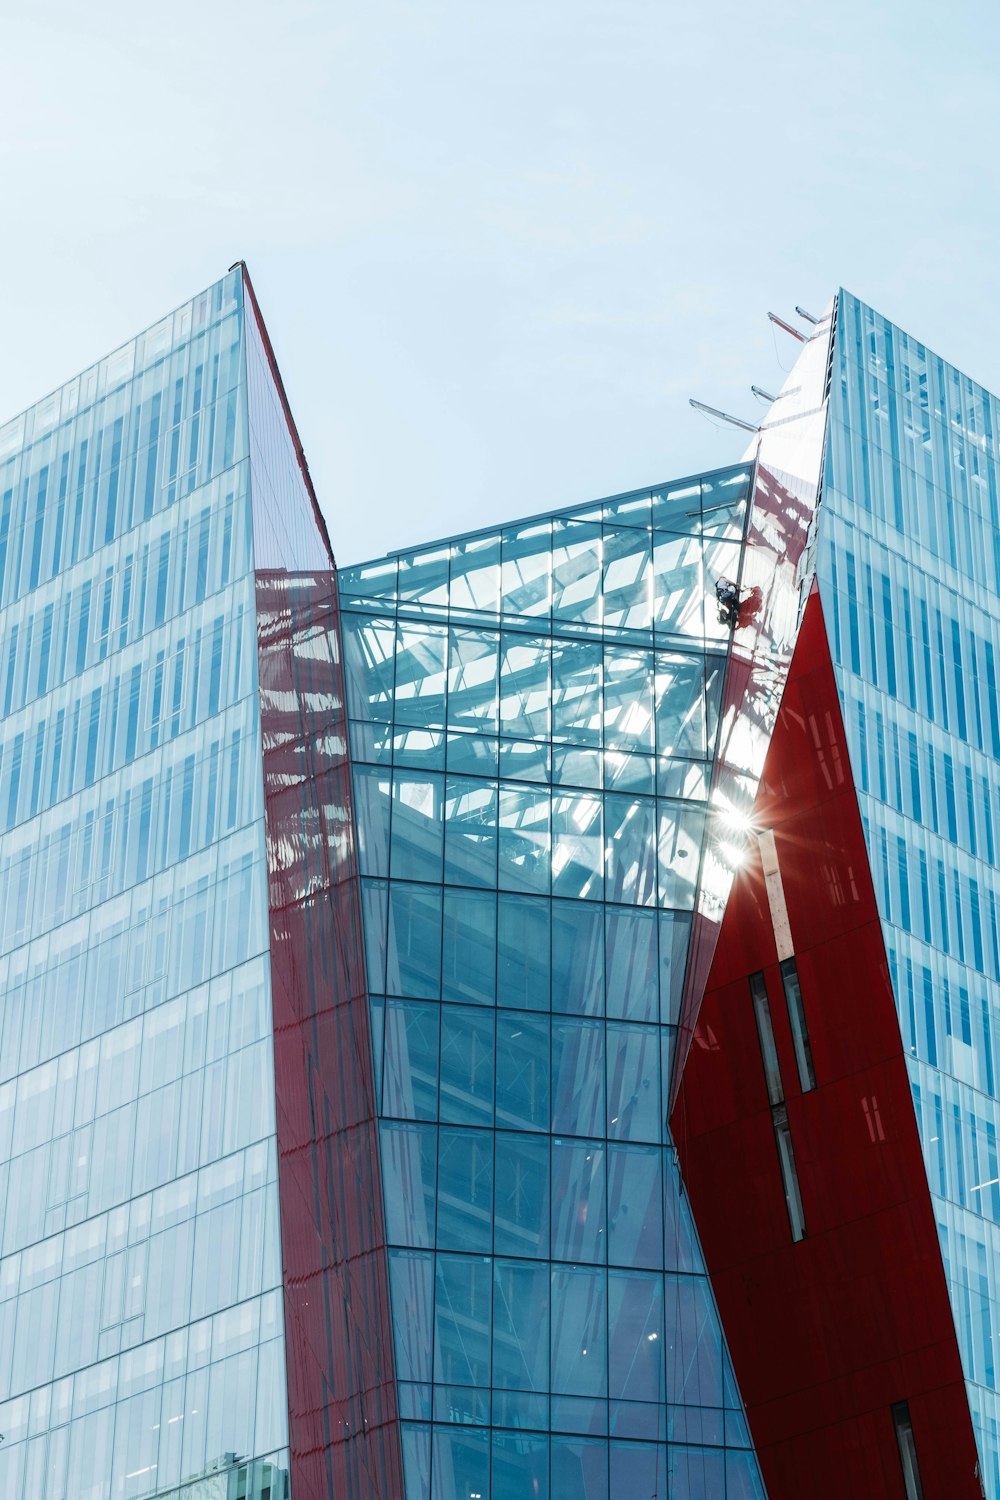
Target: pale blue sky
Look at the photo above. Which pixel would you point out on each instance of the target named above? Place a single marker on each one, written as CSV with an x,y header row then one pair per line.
x,y
497,244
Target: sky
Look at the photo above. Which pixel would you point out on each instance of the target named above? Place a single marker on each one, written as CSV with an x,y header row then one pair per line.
x,y
497,243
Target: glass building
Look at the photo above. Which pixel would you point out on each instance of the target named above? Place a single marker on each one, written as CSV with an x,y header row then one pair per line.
x,y
482,1024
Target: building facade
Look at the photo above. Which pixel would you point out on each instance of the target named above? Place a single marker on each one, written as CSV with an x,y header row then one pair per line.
x,y
482,1023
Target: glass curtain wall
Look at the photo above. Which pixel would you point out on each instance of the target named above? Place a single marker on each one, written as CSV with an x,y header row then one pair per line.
x,y
909,563
140,1280
533,717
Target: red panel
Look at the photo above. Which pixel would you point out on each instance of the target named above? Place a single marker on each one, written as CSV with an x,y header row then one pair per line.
x,y
826,1334
343,1419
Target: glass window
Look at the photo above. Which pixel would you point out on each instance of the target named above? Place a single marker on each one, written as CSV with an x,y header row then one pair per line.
x,y
577,845
461,1463
423,576
521,1216
469,946
578,1201
520,1326
465,1190
413,954
797,1019
470,832
635,1206
789,1174
463,1294
410,1072
679,847
524,839
524,686
628,699
579,1330
765,1035
578,1088
522,1067
577,675
630,858
630,963
526,568
694,1343
680,705
678,587
467,1065
577,958
633,1101
523,943
577,570
579,1468
628,578
417,836
475,574
640,1469
677,507
907,1450
473,680
421,672
408,1183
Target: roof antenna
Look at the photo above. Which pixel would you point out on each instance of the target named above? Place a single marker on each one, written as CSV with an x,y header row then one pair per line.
x,y
713,411
807,315
787,327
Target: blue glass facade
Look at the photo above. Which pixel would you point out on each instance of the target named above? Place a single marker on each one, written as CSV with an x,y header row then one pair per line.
x,y
909,566
534,713
140,1271
434,853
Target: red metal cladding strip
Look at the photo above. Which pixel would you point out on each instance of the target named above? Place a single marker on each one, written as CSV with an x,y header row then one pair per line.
x,y
344,1433
826,1334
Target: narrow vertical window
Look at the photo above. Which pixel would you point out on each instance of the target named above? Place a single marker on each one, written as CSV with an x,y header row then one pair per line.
x,y
765,1034
797,1021
789,1175
776,1097
907,1450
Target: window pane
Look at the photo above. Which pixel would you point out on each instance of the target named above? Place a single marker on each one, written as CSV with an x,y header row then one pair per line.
x,y
523,951
417,826
635,1206
579,1331
578,1201
521,1326
522,1195
522,1070
797,1019
469,946
789,1174
470,836
467,1065
577,1077
765,1035
465,1190
524,839
463,1288
631,959
577,958
694,1343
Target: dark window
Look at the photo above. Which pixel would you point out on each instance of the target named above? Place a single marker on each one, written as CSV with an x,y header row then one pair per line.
x,y
776,1097
789,1176
797,1021
765,1034
907,1450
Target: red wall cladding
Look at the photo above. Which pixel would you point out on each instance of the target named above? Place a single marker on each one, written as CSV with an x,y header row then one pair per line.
x,y
828,1333
343,1427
